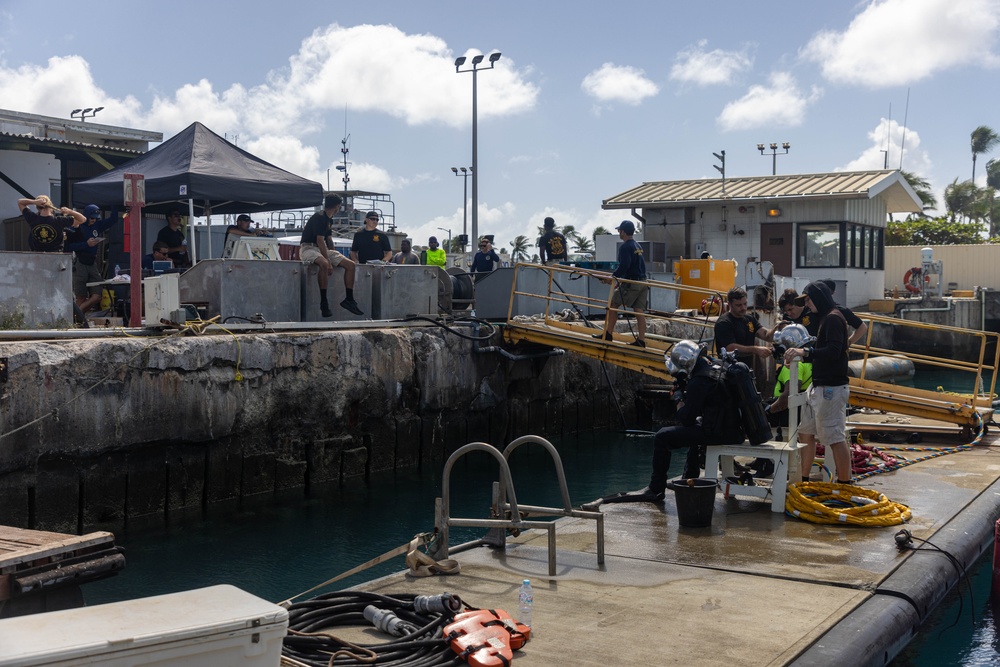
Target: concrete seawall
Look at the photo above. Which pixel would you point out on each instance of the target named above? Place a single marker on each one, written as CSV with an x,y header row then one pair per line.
x,y
133,427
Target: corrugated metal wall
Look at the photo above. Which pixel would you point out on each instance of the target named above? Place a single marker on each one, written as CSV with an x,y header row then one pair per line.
x,y
966,265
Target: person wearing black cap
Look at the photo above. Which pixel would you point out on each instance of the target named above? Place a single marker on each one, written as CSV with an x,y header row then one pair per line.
x,y
371,244
242,228
631,267
824,415
83,241
552,247
316,247
434,256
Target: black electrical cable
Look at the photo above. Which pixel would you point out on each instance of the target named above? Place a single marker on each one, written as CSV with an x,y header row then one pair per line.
x,y
904,540
439,323
310,642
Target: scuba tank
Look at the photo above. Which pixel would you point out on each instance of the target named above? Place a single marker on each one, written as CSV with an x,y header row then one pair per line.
x,y
739,381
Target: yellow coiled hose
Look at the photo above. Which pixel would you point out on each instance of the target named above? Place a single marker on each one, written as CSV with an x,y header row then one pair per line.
x,y
830,503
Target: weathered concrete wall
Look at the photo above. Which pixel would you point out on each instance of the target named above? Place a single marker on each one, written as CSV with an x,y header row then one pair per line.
x,y
134,427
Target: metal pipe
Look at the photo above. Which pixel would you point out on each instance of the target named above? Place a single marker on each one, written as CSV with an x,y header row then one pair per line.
x,y
48,334
903,311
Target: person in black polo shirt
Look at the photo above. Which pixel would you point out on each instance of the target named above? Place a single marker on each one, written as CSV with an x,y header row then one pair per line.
x,y
371,244
737,331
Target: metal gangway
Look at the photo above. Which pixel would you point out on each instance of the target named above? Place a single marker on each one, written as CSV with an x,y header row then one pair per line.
x,y
567,318
508,515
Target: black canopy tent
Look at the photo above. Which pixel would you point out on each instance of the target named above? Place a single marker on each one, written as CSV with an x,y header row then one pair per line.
x,y
200,171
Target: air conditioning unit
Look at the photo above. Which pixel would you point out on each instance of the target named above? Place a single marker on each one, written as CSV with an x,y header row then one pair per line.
x,y
161,298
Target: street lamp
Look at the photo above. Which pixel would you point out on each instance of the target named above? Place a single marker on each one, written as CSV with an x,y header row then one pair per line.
x,y
476,60
465,200
449,236
774,154
84,113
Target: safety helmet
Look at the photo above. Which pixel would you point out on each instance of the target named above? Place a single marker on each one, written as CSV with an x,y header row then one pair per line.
x,y
794,335
682,357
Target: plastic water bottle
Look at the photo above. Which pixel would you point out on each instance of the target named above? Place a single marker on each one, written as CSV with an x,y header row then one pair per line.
x,y
118,270
525,598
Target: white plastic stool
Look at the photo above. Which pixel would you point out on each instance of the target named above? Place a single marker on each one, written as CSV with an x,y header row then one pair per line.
x,y
787,468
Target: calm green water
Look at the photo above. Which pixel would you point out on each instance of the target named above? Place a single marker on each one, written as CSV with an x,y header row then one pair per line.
x,y
277,548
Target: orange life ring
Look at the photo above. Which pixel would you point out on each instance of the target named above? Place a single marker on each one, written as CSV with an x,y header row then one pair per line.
x,y
913,279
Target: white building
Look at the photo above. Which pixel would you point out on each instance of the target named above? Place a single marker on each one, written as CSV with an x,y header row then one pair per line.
x,y
810,226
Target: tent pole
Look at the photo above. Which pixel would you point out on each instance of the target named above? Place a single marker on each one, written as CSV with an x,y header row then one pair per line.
x,y
191,231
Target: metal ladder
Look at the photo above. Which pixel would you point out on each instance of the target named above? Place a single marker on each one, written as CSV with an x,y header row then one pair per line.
x,y
508,514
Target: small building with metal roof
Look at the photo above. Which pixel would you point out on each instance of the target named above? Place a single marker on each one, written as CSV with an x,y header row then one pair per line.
x,y
43,155
811,226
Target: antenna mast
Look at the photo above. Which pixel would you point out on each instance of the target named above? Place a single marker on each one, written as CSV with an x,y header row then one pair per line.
x,y
902,142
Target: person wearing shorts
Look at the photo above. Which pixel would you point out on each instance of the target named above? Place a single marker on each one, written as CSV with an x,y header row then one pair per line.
x,y
824,416
631,266
315,248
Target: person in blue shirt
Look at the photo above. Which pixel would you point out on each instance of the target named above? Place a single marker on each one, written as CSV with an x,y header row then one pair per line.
x,y
159,254
486,259
84,241
631,267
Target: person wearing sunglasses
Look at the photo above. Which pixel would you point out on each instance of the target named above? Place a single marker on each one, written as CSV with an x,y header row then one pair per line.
x,y
371,244
486,259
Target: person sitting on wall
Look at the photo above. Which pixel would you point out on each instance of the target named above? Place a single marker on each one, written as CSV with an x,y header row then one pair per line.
x,y
316,247
434,256
371,244
84,241
173,236
405,254
486,259
159,254
46,231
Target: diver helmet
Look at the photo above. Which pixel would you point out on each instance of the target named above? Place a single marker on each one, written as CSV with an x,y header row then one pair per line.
x,y
682,358
794,335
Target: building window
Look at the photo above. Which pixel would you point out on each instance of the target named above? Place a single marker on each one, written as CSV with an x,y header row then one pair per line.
x,y
819,245
840,244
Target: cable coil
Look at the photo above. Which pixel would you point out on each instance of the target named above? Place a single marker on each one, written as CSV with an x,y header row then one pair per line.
x,y
830,503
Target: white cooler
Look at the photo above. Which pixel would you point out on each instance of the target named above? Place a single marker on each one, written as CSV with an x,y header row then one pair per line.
x,y
219,626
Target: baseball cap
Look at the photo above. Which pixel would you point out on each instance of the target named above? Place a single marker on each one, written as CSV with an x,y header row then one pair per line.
x,y
432,239
626,226
92,211
549,222
244,217
372,214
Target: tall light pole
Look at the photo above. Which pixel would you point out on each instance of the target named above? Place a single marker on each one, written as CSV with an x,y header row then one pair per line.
x,y
774,155
449,237
494,57
465,200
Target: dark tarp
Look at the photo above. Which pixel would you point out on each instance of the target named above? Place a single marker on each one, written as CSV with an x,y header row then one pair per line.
x,y
199,165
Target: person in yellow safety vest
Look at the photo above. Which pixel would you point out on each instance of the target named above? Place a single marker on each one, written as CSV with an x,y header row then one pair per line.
x,y
434,256
777,410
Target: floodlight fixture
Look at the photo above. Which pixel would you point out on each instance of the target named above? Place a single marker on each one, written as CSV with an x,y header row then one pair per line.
x,y
477,59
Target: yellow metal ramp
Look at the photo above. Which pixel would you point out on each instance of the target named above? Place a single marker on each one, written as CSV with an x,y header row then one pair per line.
x,y
577,334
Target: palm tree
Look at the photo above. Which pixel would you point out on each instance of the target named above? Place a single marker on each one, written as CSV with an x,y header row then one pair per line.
x,y
923,189
519,248
984,139
600,231
961,199
583,244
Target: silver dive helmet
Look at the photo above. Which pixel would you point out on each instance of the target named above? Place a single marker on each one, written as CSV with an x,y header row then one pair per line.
x,y
794,335
681,358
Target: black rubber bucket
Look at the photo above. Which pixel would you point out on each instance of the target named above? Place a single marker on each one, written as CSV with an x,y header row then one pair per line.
x,y
695,501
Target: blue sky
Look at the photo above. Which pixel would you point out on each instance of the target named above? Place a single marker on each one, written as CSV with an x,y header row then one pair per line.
x,y
589,98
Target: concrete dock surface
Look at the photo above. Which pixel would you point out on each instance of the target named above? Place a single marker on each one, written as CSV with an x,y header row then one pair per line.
x,y
755,588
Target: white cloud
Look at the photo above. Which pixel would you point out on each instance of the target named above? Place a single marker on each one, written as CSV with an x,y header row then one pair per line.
x,y
290,154
897,42
890,135
780,103
705,68
613,83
